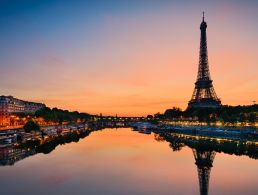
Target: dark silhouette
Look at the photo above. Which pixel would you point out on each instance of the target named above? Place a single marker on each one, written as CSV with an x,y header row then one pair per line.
x,y
31,126
58,115
204,151
203,161
224,113
204,94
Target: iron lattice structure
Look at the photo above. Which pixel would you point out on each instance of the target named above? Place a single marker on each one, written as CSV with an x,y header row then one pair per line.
x,y
204,94
204,160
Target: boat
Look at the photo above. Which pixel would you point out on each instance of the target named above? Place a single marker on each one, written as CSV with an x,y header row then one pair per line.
x,y
143,126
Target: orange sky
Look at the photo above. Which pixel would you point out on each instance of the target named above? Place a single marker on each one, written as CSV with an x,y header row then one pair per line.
x,y
129,61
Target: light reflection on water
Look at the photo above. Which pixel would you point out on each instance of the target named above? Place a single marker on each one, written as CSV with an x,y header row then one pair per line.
x,y
121,161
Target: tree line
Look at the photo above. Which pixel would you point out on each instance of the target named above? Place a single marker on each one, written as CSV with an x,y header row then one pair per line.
x,y
225,113
59,115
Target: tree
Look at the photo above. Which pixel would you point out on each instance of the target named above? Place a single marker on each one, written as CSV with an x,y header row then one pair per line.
x,y
149,117
58,115
252,118
173,113
31,126
158,116
176,145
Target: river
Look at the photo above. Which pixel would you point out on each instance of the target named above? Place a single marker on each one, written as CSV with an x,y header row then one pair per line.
x,y
122,161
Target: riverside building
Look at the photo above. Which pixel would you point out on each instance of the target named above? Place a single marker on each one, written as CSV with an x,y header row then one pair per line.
x,y
10,105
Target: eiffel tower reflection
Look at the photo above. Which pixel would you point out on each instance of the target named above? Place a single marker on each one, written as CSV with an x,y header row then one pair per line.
x,y
204,160
204,150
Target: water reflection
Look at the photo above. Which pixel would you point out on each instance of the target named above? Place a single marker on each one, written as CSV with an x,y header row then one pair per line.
x,y
236,147
203,161
11,154
204,149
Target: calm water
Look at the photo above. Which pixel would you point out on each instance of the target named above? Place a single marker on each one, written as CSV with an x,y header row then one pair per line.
x,y
122,161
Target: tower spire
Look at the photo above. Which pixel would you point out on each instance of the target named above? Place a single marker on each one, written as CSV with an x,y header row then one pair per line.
x,y
204,94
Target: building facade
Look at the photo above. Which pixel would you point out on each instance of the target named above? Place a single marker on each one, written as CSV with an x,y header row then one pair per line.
x,y
10,105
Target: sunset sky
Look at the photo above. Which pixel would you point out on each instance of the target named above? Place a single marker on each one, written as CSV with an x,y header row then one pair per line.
x,y
129,58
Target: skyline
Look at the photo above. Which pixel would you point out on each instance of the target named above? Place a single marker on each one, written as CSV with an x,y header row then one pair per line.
x,y
132,58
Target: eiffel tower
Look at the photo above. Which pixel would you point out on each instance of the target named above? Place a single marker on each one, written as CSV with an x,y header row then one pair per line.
x,y
204,160
204,95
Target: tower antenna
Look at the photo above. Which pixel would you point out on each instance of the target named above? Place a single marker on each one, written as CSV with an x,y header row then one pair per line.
x,y
203,16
